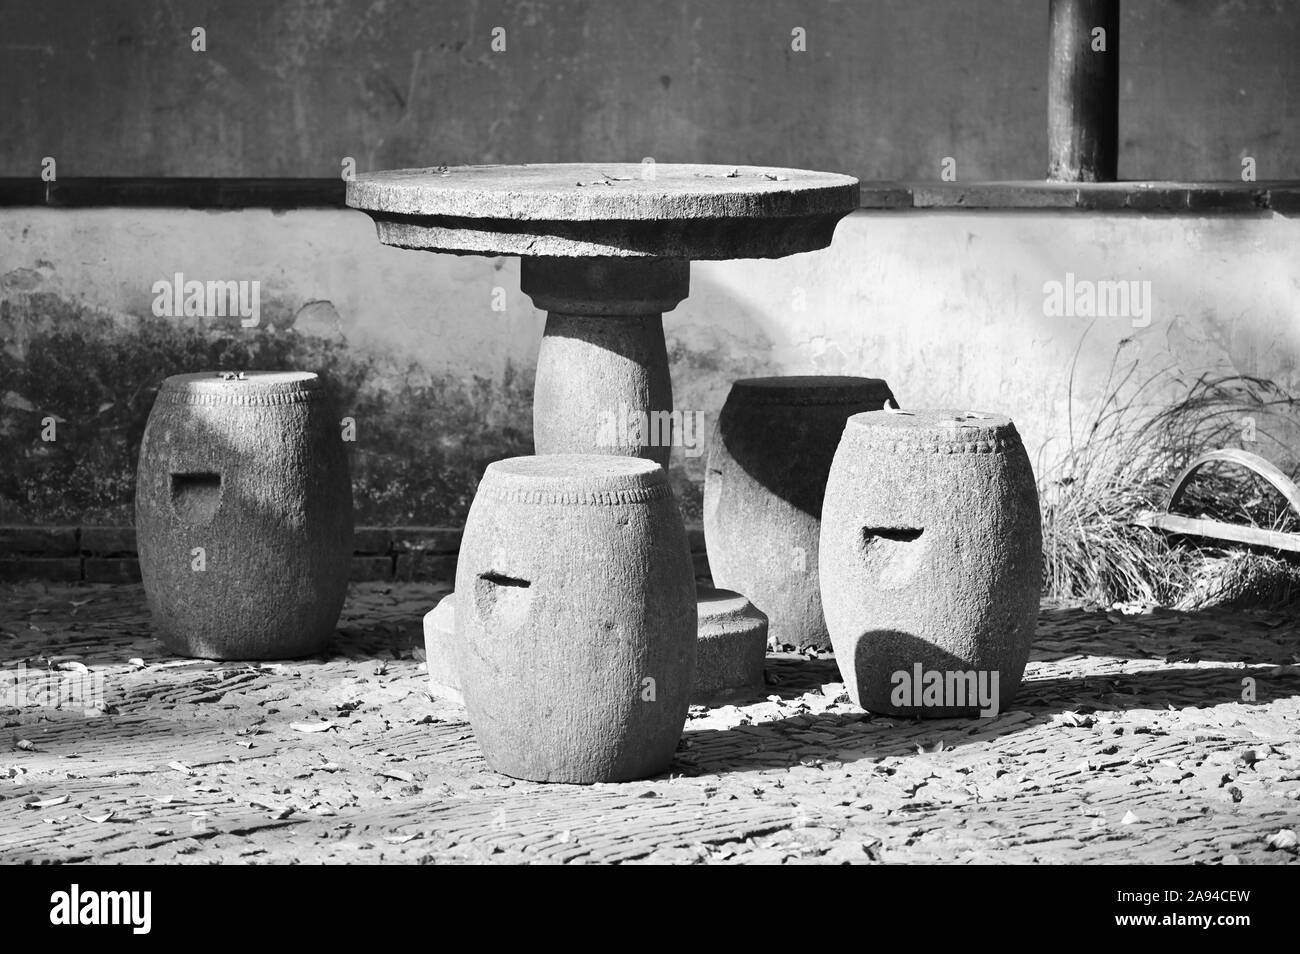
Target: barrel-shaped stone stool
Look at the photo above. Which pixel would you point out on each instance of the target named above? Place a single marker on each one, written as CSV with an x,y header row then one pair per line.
x,y
931,562
768,460
575,618
244,515
732,648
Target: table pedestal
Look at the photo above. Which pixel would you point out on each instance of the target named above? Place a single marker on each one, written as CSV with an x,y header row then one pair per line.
x,y
603,385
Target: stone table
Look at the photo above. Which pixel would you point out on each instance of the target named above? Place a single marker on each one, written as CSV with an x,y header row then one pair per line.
x,y
606,251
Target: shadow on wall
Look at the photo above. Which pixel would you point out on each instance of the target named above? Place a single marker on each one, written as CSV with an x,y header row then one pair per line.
x,y
422,439
705,360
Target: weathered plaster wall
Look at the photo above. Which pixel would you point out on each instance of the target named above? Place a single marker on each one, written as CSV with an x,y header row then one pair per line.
x,y
948,307
884,90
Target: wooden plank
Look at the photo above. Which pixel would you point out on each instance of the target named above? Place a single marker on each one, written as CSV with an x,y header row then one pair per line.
x,y
1218,530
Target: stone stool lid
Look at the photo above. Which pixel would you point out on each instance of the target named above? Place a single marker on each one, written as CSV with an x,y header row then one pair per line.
x,y
592,479
242,387
801,389
935,431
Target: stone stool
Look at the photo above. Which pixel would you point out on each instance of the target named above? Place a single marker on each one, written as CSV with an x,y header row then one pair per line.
x,y
575,636
931,561
768,460
732,647
243,514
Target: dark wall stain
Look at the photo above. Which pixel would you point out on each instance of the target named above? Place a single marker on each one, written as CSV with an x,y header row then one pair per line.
x,y
422,440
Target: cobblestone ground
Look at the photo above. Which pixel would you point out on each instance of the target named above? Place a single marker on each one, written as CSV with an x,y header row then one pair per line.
x,y
1131,741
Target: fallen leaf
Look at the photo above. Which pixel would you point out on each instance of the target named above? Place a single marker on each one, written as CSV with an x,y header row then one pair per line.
x,y
49,802
312,726
1129,819
181,767
1282,840
98,819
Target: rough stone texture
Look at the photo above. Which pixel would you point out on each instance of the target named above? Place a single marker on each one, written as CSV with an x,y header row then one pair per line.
x,y
439,650
931,552
769,458
191,762
254,472
732,647
574,588
603,362
575,210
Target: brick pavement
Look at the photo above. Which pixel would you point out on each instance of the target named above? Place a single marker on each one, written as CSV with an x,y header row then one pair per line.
x,y
1130,742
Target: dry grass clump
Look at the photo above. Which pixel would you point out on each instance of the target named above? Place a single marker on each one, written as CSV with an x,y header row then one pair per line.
x,y
1125,459
1240,581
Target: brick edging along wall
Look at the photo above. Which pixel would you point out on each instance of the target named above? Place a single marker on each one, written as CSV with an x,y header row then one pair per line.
x,y
108,554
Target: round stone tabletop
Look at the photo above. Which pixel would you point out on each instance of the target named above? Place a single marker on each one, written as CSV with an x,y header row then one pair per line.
x,y
623,210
